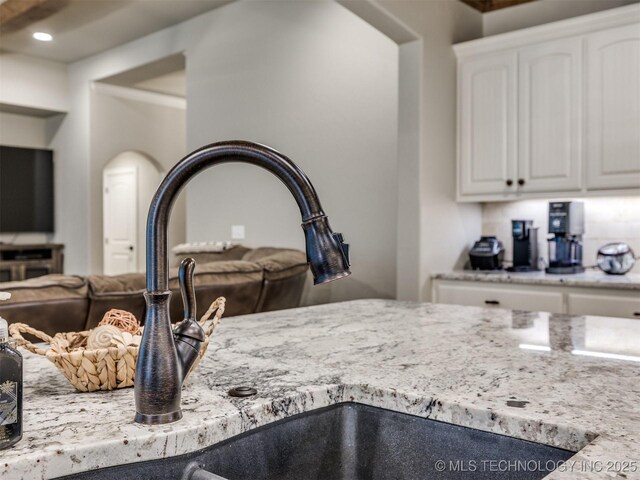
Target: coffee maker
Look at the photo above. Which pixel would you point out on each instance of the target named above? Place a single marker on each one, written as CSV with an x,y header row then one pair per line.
x,y
566,225
525,246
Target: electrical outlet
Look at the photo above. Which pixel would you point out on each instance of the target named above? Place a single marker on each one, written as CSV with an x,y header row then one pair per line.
x,y
237,232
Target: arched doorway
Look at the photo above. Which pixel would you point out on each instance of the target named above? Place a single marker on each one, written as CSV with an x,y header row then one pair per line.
x,y
129,181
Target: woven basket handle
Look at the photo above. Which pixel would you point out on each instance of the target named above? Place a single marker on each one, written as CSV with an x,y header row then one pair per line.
x,y
208,324
17,329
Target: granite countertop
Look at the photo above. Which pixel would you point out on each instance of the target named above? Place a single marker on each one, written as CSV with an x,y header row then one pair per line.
x,y
590,278
570,382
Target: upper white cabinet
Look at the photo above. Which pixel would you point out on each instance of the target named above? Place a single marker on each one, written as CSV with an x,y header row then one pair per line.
x,y
488,124
553,109
613,85
549,116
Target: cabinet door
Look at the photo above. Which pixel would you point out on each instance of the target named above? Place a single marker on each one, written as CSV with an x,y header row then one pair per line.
x,y
613,305
499,297
613,85
487,124
550,116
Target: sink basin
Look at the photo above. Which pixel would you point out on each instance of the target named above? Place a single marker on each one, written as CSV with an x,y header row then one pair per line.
x,y
350,441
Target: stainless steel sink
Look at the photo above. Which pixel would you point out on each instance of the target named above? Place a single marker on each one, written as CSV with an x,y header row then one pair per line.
x,y
350,441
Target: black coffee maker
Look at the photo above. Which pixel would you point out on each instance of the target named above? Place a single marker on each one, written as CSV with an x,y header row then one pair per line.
x,y
525,246
566,225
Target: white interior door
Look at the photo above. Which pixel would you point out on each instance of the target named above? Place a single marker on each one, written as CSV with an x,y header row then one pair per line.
x,y
120,220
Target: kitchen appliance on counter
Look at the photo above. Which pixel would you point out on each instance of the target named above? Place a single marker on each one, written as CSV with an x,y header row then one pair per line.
x,y
615,258
566,225
487,254
525,246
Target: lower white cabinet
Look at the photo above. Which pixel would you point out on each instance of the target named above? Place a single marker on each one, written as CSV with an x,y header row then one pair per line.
x,y
610,304
512,298
539,298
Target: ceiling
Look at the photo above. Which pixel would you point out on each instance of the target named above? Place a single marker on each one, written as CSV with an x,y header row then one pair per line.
x,y
82,28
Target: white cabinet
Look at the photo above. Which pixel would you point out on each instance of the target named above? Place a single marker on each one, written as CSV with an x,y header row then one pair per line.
x,y
611,304
549,116
608,302
522,298
487,124
613,85
551,110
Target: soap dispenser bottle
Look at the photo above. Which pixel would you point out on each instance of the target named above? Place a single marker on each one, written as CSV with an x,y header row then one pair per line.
x,y
10,390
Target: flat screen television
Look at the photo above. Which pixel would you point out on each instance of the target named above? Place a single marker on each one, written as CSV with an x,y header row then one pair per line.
x,y
26,190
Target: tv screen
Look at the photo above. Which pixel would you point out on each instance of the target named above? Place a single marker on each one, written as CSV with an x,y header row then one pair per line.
x,y
26,190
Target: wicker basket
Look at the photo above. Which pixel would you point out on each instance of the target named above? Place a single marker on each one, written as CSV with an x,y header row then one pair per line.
x,y
103,368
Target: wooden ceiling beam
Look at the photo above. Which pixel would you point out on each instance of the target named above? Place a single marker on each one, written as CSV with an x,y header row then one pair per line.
x,y
490,5
12,9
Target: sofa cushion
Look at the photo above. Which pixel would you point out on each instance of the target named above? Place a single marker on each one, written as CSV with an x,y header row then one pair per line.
x,y
64,297
282,263
124,292
239,281
285,273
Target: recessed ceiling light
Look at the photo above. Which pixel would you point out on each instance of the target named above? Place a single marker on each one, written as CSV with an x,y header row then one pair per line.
x,y
42,36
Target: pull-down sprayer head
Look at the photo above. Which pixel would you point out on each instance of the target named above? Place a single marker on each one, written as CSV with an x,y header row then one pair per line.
x,y
327,254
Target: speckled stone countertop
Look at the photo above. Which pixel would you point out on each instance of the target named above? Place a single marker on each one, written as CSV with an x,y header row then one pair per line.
x,y
570,382
590,278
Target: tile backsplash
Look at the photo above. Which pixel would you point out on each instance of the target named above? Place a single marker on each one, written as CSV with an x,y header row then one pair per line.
x,y
607,219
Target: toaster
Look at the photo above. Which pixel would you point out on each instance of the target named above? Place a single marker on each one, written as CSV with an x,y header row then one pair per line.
x,y
486,254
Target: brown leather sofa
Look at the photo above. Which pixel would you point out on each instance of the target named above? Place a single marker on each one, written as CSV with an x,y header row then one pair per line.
x,y
262,280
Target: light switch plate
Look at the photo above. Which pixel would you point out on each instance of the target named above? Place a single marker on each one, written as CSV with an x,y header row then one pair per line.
x,y
237,232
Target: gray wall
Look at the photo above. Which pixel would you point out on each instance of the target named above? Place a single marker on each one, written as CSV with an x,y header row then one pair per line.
x,y
543,11
446,229
23,131
320,85
119,124
336,152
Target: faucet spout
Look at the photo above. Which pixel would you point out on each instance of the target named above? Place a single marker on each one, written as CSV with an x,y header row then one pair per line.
x,y
165,356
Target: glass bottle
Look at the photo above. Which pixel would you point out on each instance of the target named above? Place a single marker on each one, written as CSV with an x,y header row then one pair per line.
x,y
10,390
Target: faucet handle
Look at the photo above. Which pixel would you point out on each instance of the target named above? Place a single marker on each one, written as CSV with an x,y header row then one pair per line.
x,y
185,278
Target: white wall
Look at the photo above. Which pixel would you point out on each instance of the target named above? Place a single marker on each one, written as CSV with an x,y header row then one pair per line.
x,y
121,124
542,11
33,83
320,85
607,219
447,228
23,131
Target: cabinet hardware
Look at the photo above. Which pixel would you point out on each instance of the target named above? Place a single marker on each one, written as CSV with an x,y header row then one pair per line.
x,y
509,182
521,181
636,314
492,302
